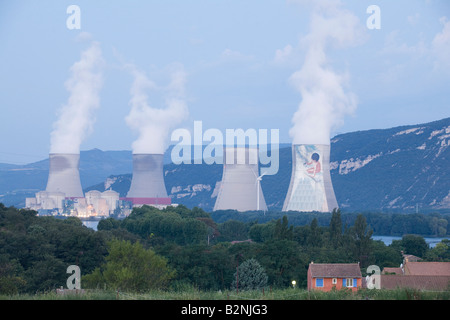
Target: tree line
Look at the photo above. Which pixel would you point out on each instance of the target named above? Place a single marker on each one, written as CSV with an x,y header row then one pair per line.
x,y
382,223
177,247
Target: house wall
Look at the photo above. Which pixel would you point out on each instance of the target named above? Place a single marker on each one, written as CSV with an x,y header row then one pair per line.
x,y
328,285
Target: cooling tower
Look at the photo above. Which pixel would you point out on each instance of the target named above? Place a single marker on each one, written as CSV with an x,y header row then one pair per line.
x,y
240,187
147,183
310,188
64,175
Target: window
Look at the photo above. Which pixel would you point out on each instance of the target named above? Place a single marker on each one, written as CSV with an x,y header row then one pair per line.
x,y
349,283
334,281
319,282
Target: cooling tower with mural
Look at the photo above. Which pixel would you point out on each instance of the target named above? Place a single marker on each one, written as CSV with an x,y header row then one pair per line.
x,y
310,188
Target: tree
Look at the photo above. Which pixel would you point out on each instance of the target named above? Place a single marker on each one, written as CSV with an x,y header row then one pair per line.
x,y
211,227
414,244
262,232
39,250
47,273
384,256
282,229
440,252
314,237
250,275
10,281
130,267
283,260
438,226
195,264
336,228
361,236
194,231
233,230
108,224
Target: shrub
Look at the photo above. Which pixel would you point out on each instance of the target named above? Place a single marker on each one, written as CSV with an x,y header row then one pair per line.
x,y
250,275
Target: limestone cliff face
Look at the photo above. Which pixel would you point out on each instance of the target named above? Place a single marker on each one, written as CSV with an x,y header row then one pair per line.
x,y
399,168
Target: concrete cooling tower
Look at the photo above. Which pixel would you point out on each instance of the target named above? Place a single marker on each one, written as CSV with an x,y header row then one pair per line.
x,y
64,175
240,187
310,188
147,183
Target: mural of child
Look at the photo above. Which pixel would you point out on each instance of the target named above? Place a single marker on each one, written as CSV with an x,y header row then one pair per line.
x,y
314,164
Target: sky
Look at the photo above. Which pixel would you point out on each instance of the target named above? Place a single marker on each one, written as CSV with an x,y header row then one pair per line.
x,y
307,68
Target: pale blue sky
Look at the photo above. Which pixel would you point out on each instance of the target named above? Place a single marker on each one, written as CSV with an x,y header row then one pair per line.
x,y
238,57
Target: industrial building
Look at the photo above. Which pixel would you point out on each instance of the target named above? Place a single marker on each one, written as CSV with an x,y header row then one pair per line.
x,y
64,194
46,201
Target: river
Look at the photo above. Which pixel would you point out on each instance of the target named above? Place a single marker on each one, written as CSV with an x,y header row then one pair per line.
x,y
91,224
388,240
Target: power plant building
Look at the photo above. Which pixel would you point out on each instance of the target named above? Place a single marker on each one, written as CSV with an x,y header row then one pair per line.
x,y
240,187
46,201
310,188
102,203
64,193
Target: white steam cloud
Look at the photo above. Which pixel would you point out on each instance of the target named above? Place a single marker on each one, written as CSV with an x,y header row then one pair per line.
x,y
154,125
76,117
325,100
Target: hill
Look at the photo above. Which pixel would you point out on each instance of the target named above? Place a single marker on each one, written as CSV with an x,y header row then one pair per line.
x,y
397,168
405,168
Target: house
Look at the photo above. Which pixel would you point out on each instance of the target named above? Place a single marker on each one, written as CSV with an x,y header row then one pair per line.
x,y
326,276
427,283
413,274
426,268
410,258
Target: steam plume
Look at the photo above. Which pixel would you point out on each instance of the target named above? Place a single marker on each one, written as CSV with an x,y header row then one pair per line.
x,y
76,116
153,125
324,98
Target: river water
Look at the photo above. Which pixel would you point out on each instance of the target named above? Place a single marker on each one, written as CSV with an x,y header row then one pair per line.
x,y
388,240
91,224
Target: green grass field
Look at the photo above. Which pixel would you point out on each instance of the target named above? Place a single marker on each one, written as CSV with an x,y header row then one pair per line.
x,y
267,294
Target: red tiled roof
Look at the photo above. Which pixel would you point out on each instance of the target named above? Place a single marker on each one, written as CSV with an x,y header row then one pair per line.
x,y
427,268
433,283
335,270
